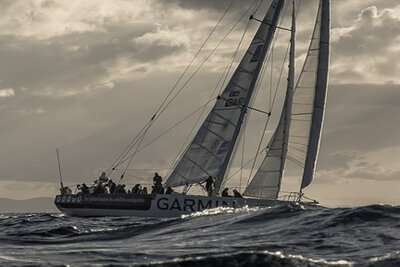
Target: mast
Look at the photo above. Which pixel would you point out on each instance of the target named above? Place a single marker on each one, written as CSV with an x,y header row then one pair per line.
x,y
289,96
272,28
59,170
319,97
266,183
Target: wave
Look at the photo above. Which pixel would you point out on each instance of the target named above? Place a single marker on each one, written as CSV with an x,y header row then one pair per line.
x,y
365,236
252,259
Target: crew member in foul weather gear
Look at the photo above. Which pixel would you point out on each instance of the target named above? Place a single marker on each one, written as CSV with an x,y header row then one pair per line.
x,y
144,190
209,185
157,181
100,189
84,189
103,178
169,191
111,186
225,193
237,194
65,190
136,189
120,189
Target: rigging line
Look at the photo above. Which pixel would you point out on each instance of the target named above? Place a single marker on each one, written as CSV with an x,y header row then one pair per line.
x,y
273,100
168,130
268,118
242,159
224,75
279,81
247,163
145,169
226,71
262,72
257,7
138,139
241,40
184,145
193,59
234,56
155,117
257,90
271,77
126,150
203,62
134,153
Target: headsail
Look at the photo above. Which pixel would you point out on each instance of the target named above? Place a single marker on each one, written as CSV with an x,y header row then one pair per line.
x,y
297,135
210,151
310,97
267,181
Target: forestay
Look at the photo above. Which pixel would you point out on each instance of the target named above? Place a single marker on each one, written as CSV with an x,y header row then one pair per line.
x,y
210,151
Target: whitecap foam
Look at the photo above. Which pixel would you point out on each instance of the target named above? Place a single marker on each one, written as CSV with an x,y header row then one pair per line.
x,y
395,254
317,261
222,210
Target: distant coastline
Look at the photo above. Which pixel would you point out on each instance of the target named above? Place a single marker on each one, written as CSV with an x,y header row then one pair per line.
x,y
32,205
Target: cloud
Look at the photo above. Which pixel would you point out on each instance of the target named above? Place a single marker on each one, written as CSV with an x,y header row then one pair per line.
x,y
374,172
368,50
7,92
162,41
87,75
345,166
44,19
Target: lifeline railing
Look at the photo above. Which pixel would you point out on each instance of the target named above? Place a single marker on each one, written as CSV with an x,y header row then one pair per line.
x,y
285,195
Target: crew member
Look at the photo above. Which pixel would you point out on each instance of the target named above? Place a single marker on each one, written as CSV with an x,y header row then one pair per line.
x,y
103,178
111,186
169,191
236,194
225,193
157,181
209,185
136,189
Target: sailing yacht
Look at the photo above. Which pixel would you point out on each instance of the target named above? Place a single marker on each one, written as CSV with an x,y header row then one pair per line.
x,y
296,137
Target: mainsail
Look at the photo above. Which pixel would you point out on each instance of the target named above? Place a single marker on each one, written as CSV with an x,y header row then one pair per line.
x,y
297,135
210,151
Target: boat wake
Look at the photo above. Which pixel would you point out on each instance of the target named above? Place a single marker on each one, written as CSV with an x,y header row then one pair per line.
x,y
285,235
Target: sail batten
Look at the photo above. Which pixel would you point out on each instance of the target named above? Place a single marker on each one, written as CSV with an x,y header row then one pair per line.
x,y
310,98
306,107
220,130
320,96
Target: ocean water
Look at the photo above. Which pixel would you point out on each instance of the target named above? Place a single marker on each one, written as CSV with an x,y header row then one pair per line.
x,y
288,235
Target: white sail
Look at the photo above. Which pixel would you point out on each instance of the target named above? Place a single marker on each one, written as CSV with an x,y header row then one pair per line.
x,y
210,151
310,97
267,181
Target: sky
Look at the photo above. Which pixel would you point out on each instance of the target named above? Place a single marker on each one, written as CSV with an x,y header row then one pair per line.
x,y
86,76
